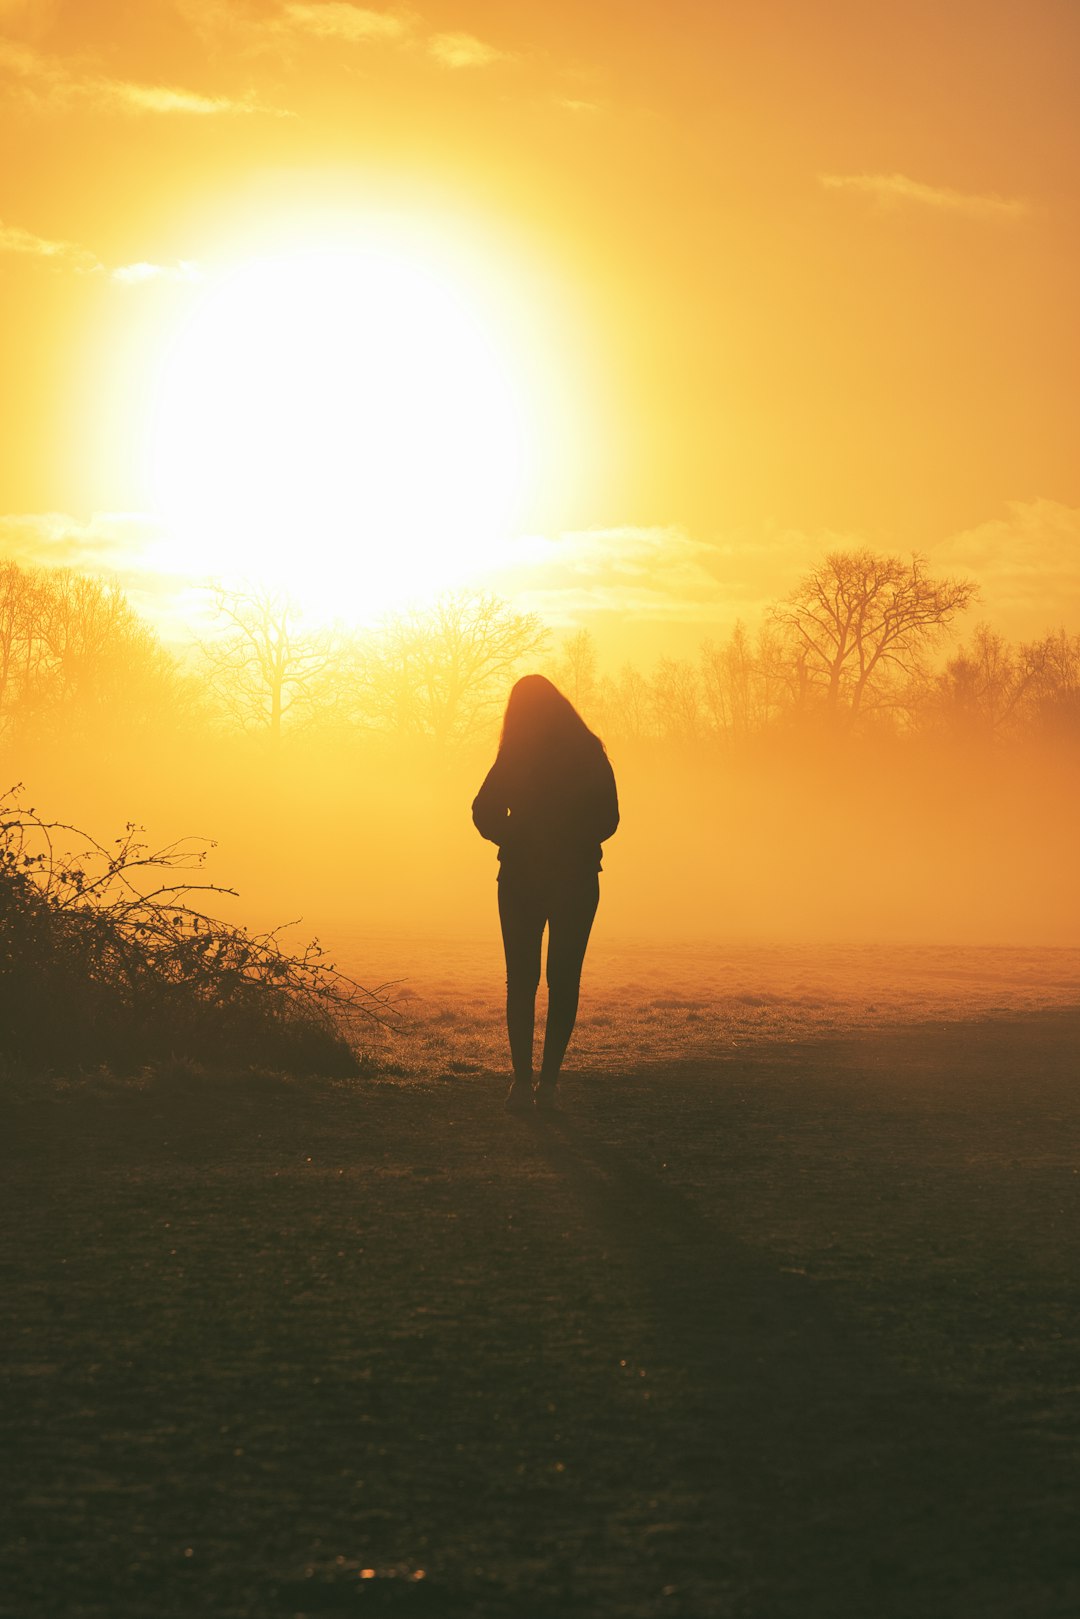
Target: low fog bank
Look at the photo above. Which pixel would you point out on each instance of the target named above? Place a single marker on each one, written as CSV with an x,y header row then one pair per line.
x,y
849,772
897,842
796,840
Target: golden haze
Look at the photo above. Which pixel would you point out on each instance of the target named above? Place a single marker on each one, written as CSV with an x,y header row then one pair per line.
x,y
629,327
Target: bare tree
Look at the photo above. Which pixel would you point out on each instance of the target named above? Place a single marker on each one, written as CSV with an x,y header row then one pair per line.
x,y
444,673
728,682
773,675
1055,689
19,603
72,648
984,689
676,696
574,671
859,622
265,668
624,705
90,631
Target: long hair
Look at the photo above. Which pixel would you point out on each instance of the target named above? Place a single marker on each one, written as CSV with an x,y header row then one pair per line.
x,y
542,728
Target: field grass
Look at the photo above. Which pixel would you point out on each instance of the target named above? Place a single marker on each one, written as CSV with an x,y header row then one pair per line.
x,y
783,1326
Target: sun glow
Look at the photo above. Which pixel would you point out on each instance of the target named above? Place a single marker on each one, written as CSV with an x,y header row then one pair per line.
x,y
343,422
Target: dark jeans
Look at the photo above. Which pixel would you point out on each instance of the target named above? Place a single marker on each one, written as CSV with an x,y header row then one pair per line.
x,y
565,905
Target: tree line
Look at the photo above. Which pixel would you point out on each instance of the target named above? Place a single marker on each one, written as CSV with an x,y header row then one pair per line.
x,y
863,643
72,647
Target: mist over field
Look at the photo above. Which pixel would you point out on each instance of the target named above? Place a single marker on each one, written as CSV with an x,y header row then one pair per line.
x,y
934,805
804,844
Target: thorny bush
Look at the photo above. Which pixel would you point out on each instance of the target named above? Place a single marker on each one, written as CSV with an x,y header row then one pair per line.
x,y
108,958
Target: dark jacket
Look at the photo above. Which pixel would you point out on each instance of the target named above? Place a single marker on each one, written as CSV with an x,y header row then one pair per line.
x,y
549,820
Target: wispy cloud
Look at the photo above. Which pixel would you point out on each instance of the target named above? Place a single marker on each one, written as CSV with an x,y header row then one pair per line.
x,y
336,19
462,51
162,98
661,574
134,274
47,81
1027,564
890,190
71,256
362,25
128,547
55,539
20,63
14,239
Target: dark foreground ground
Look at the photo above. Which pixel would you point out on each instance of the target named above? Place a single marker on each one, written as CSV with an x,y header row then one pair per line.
x,y
793,1332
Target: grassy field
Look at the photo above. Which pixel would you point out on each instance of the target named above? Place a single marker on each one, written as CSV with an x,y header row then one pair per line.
x,y
783,1328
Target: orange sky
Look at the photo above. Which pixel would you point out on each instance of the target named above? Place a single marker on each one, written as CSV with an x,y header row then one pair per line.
x,y
803,270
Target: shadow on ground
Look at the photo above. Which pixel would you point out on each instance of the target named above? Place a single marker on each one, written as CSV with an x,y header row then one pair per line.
x,y
790,1333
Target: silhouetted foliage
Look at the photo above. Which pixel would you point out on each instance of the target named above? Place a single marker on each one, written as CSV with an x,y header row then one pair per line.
x,y
106,957
574,670
73,651
265,668
859,624
442,674
745,682
992,690
625,706
985,686
1055,689
853,645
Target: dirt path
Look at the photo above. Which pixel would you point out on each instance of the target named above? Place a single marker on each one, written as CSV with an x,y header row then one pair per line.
x,y
790,1333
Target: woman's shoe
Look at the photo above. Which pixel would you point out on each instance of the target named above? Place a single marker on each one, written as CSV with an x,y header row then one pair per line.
x,y
544,1097
518,1097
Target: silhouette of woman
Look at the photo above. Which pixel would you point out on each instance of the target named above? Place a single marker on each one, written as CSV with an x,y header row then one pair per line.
x,y
549,802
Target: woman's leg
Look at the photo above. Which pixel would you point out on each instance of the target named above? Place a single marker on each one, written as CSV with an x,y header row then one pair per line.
x,y
522,917
570,921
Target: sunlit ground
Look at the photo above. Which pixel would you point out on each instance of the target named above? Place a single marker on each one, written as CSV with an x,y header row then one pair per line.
x,y
649,1004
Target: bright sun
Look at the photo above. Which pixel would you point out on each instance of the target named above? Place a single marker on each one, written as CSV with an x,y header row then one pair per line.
x,y
342,422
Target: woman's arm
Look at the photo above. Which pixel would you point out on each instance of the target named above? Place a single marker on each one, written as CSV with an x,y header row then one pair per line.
x,y
605,802
596,803
490,809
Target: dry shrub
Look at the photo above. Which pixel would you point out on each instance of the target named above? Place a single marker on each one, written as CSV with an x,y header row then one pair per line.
x,y
108,957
